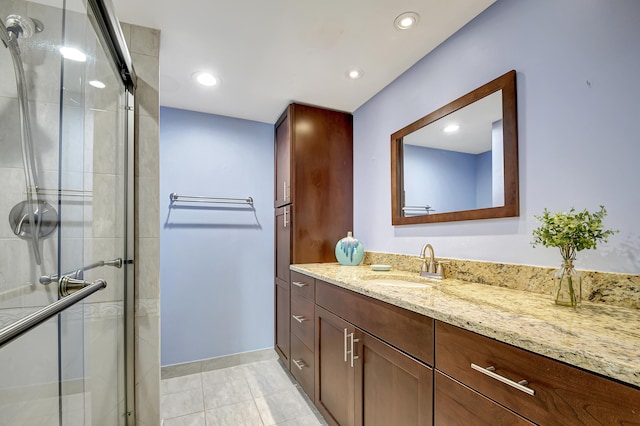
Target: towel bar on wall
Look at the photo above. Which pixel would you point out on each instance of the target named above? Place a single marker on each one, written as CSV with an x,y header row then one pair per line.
x,y
203,199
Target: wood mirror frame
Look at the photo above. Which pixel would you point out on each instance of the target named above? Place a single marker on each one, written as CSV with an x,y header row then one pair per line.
x,y
506,83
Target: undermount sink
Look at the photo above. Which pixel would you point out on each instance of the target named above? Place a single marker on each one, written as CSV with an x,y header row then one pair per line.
x,y
399,282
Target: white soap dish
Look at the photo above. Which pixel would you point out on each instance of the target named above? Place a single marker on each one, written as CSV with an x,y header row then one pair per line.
x,y
381,267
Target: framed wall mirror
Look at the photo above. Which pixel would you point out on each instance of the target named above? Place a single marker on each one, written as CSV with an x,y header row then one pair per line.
x,y
459,162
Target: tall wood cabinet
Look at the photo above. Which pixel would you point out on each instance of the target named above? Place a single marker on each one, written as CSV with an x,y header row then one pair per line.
x,y
313,198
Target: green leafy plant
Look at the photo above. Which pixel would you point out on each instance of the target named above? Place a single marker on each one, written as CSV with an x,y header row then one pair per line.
x,y
571,232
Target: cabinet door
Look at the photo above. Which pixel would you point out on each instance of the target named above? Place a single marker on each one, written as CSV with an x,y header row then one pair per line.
x,y
283,163
282,329
391,387
282,294
283,245
334,395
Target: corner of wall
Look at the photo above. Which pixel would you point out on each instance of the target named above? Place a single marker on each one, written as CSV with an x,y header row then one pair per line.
x,y
144,46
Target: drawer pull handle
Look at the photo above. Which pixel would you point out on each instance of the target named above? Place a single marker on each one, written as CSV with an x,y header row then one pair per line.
x,y
490,371
299,363
299,284
299,318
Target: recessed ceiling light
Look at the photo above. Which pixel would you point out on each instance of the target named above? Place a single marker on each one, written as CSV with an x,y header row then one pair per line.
x,y
406,20
73,54
451,128
354,73
97,84
206,79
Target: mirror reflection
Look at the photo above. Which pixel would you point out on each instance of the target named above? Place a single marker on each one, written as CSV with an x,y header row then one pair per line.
x,y
456,163
459,162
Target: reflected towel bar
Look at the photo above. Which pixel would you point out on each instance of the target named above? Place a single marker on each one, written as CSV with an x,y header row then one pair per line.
x,y
416,210
202,199
427,208
18,328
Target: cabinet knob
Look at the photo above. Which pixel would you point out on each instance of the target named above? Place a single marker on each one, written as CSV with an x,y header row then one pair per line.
x,y
299,284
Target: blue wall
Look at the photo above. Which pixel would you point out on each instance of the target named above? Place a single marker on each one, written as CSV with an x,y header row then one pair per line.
x,y
216,261
577,66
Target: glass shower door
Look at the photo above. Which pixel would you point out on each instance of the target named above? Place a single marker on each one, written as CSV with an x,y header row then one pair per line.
x,y
92,179
71,369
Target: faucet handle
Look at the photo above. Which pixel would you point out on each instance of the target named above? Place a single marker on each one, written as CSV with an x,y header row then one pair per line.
x,y
440,270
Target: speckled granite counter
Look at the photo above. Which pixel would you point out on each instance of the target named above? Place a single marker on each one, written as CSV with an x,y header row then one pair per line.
x,y
599,338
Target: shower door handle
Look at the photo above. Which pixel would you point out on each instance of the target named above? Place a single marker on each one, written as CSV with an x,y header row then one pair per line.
x,y
67,286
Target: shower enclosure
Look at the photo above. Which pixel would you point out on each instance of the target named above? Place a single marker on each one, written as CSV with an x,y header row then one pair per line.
x,y
66,279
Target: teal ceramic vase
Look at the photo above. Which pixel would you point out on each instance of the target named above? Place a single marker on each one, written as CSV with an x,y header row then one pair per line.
x,y
349,251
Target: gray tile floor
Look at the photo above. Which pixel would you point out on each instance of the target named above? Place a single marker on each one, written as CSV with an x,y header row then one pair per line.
x,y
261,393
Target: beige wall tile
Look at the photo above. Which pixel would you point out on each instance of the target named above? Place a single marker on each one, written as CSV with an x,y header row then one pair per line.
x,y
145,41
144,46
148,266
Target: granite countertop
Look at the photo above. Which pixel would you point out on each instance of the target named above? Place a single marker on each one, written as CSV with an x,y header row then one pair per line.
x,y
599,338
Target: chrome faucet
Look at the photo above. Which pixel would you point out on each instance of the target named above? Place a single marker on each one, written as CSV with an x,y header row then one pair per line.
x,y
429,269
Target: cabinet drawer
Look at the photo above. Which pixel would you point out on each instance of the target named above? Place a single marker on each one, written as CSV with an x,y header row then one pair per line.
x,y
456,404
302,314
406,330
302,360
302,286
562,394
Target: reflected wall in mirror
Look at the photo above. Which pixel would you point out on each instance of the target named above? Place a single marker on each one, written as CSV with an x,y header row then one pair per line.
x,y
461,161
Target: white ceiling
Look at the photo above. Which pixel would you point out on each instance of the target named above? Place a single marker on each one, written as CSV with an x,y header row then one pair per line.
x,y
270,53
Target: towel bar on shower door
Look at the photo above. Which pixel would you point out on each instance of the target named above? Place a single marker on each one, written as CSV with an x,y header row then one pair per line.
x,y
18,328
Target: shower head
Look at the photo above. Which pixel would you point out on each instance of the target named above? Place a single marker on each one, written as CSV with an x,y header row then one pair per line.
x,y
23,26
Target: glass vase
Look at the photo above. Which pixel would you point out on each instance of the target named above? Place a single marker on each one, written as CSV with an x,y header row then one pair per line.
x,y
568,285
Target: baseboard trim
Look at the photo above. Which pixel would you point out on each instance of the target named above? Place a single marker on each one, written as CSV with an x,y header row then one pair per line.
x,y
194,367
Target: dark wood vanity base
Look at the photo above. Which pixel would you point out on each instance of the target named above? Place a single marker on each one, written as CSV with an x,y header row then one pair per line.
x,y
375,363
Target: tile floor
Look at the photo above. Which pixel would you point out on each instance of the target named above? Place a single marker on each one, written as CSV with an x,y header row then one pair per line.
x,y
260,393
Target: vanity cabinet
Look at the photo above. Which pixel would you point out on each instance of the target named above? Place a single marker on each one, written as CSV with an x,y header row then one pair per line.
x,y
539,389
361,379
313,199
374,363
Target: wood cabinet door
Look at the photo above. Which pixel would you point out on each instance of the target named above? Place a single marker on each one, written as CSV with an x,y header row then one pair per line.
x,y
282,306
282,323
334,383
283,162
391,387
283,245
